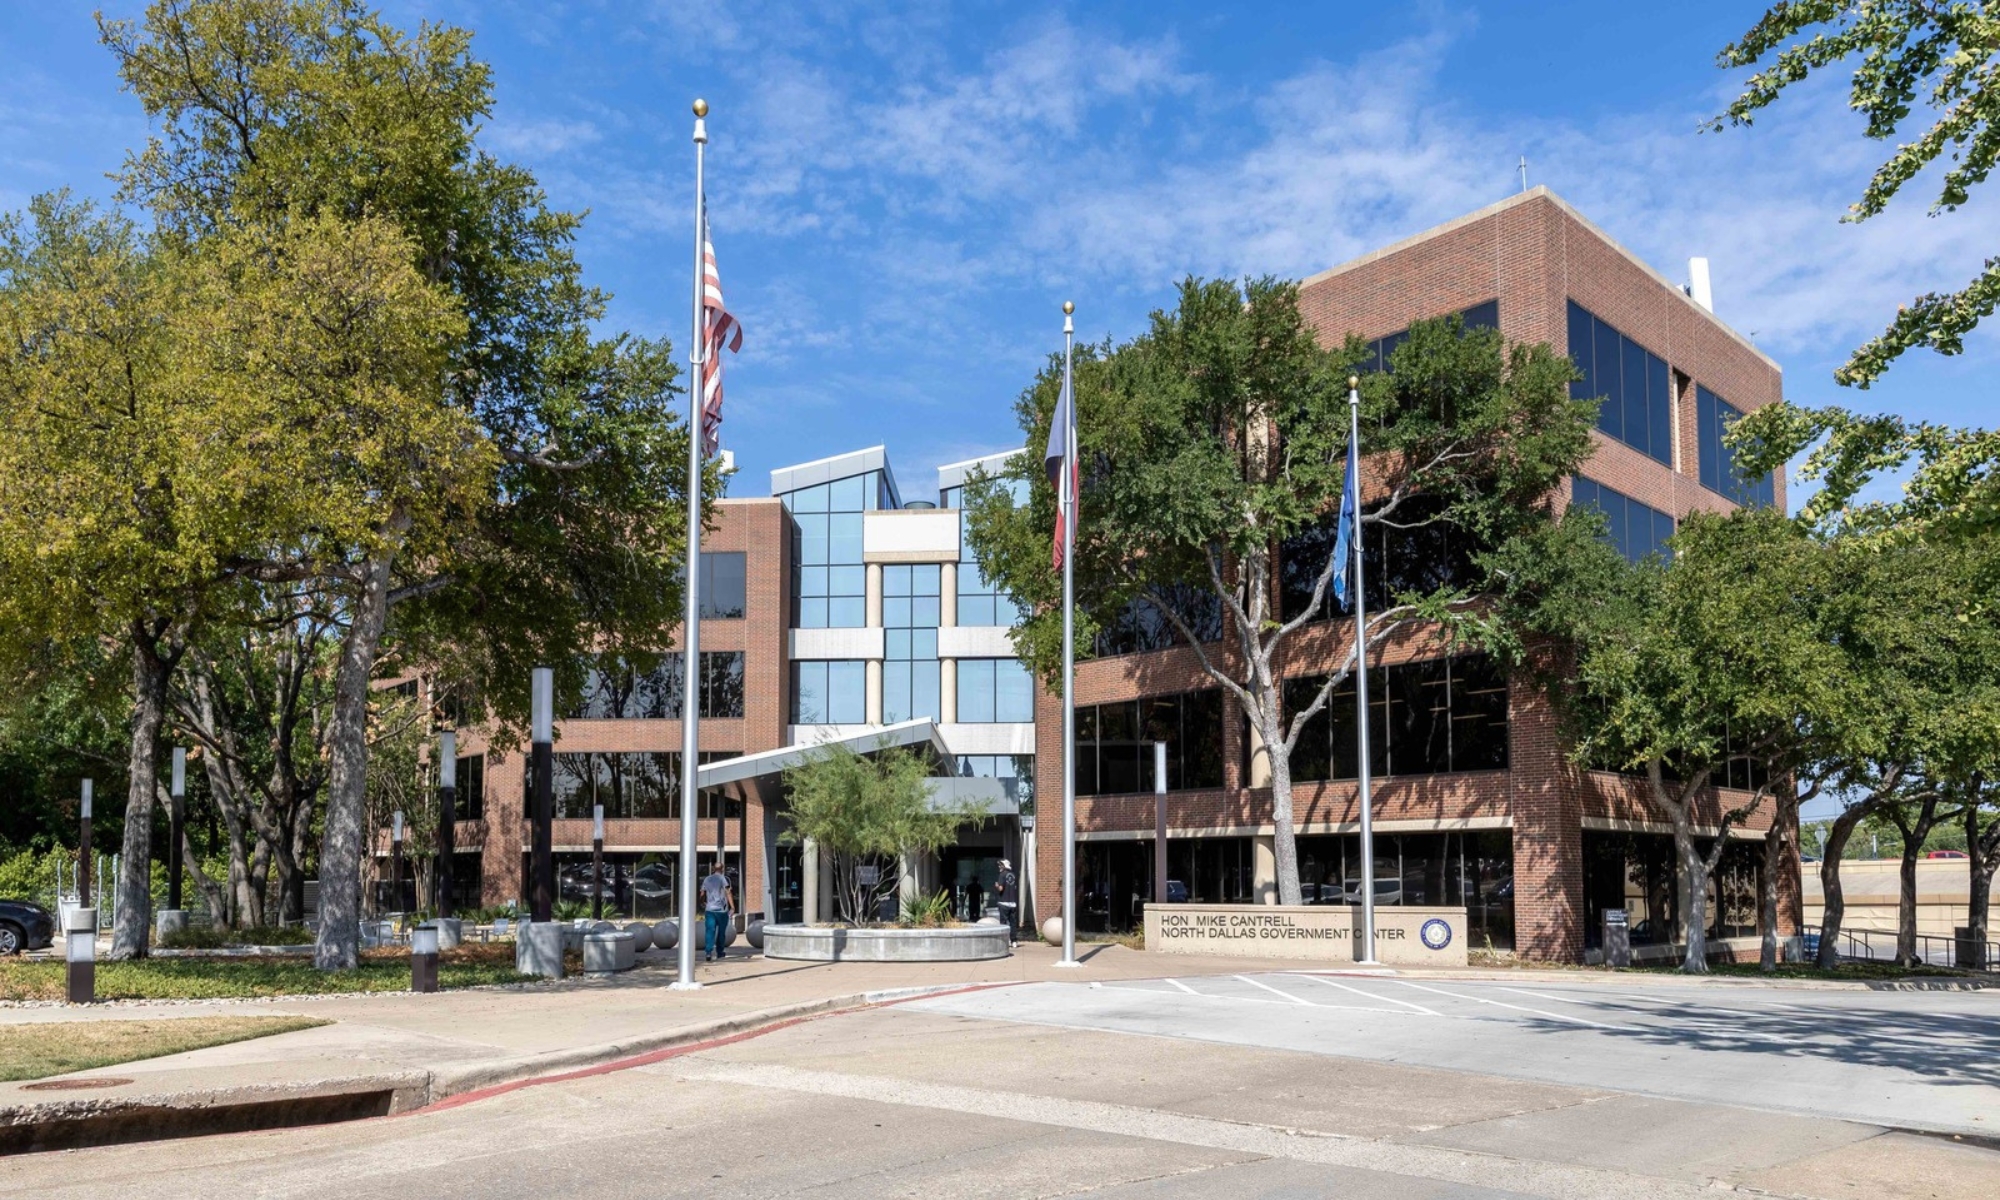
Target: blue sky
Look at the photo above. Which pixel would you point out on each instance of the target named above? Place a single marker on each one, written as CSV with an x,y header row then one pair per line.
x,y
902,196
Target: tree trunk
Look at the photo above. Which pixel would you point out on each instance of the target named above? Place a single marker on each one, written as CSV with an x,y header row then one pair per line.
x,y
1694,895
338,947
1284,841
1914,836
131,933
1982,856
211,891
1834,909
1780,854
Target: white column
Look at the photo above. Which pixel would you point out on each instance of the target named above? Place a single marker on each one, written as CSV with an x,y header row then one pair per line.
x,y
809,883
1264,869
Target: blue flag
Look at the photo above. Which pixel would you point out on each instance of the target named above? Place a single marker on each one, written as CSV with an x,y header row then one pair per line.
x,y
1350,507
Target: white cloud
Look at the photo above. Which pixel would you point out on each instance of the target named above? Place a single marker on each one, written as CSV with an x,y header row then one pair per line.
x,y
541,138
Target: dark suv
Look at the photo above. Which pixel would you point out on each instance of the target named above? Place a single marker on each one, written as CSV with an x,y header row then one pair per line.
x,y
25,925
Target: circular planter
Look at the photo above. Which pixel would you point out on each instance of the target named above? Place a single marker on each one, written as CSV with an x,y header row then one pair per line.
x,y
813,944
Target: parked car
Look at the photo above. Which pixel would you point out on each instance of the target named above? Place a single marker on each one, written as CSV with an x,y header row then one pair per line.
x,y
1387,891
1177,892
1947,854
25,925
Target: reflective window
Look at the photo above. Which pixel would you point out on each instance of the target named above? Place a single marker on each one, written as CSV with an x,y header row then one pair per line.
x,y
994,689
1636,529
470,802
1114,743
1430,717
617,689
1016,773
829,583
1383,349
980,602
910,611
1141,626
1713,417
829,693
722,584
1632,383
1421,554
1474,868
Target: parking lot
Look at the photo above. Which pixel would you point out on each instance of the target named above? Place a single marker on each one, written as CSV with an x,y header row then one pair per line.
x,y
1927,1060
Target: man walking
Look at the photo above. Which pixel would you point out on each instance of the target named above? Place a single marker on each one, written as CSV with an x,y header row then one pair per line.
x,y
718,908
1007,891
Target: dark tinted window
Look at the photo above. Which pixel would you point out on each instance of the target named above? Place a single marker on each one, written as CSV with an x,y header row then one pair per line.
x,y
1433,554
1141,626
1429,717
1114,743
1636,529
470,802
722,584
1383,349
616,689
1631,381
1713,417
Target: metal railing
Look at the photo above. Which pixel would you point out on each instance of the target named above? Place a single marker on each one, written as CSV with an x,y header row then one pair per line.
x,y
1879,945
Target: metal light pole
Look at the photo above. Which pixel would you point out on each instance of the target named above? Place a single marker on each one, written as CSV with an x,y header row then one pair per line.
x,y
1361,695
176,797
83,853
691,617
447,831
396,849
541,774
597,862
1159,822
1069,505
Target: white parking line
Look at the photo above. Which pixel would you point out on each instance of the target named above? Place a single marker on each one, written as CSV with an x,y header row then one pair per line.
x,y
1184,987
1429,1012
1503,1004
1274,991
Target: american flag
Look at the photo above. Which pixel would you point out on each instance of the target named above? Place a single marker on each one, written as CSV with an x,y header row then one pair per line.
x,y
718,328
1060,458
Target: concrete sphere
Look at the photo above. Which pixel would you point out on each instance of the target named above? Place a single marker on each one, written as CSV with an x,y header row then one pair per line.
x,y
601,927
1052,931
755,934
666,935
987,921
642,936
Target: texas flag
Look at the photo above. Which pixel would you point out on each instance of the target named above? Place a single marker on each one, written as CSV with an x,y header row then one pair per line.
x,y
1060,459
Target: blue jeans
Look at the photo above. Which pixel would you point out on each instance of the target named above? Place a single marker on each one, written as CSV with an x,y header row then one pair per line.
x,y
718,933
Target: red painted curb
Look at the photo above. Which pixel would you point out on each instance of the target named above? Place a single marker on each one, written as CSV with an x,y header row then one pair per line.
x,y
669,1052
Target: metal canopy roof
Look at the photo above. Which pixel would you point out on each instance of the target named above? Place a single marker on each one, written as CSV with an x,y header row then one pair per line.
x,y
760,776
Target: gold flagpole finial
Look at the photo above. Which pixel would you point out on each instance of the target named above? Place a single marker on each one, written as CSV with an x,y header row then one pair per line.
x,y
700,108
1069,306
1353,381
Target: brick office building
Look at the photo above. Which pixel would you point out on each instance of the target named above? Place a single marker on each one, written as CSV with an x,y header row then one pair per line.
x,y
1475,801
839,610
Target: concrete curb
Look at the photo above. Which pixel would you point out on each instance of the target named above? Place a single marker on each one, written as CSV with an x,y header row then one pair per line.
x,y
61,1124
1601,978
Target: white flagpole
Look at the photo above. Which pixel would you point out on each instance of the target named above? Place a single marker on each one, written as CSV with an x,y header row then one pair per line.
x,y
1361,692
691,617
1067,500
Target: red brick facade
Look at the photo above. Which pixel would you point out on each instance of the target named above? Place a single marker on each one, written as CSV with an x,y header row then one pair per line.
x,y
1532,254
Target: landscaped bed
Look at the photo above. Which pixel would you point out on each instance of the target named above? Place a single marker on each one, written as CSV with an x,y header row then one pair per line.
x,y
41,1049
190,977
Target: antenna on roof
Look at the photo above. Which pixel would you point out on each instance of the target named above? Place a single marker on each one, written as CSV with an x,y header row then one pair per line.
x,y
1524,172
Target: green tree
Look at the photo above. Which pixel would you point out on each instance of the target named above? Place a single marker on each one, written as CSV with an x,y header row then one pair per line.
x,y
1222,431
866,812
1941,60
275,112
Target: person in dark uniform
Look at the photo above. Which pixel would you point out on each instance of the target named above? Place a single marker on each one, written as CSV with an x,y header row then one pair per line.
x,y
1007,897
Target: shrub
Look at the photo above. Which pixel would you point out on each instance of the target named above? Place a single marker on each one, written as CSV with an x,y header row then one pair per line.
x,y
194,937
927,911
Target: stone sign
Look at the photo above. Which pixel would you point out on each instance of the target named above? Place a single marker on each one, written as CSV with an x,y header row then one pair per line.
x,y
1408,936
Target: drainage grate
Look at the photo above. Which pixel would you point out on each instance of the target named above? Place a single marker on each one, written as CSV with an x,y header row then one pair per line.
x,y
71,1085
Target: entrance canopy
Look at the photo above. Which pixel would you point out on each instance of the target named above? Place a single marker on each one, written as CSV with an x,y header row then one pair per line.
x,y
760,776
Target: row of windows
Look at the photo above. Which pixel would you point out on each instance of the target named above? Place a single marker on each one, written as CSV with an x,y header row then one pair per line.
x,y
1636,529
1141,626
830,693
1114,743
614,688
1713,417
836,692
1419,553
1382,349
994,689
829,582
1632,382
980,601
632,784
1424,718
1016,773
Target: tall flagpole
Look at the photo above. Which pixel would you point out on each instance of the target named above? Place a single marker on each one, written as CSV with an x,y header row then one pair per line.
x,y
1068,502
1361,690
691,618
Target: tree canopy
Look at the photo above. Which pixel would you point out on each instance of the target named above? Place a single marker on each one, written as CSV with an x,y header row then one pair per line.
x,y
1938,62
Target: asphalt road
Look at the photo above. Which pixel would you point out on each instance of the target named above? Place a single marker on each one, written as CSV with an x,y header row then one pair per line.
x,y
1916,1060
1276,1085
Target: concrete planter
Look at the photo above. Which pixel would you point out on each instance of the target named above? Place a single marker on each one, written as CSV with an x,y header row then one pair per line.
x,y
813,944
605,953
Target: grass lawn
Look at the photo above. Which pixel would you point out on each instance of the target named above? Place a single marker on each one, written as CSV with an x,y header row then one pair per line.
x,y
39,1050
235,978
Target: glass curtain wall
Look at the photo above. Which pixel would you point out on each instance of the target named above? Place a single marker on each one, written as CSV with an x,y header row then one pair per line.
x,y
980,602
910,676
829,582
1474,868
1115,879
1635,871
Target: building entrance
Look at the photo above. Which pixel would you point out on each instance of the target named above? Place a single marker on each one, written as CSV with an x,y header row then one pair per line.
x,y
969,873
